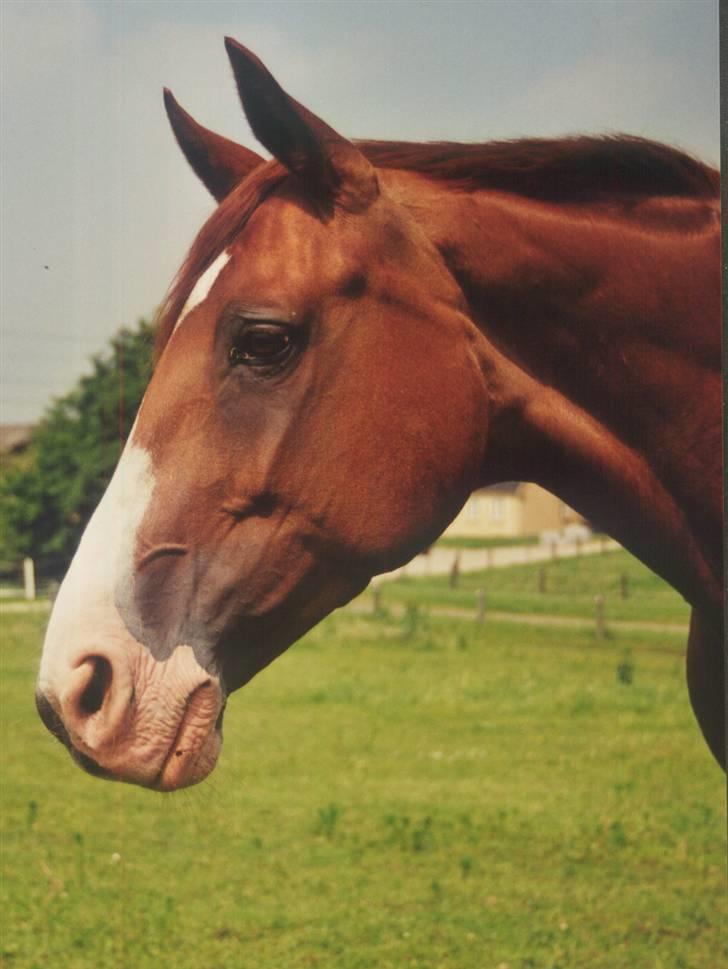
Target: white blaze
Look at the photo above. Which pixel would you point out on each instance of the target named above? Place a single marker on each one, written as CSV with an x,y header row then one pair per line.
x,y
102,568
203,286
103,562
149,703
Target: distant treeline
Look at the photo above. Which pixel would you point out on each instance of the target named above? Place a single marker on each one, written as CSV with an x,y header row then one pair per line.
x,y
49,491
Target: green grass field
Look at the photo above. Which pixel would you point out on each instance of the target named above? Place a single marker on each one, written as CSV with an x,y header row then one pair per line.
x,y
393,792
570,588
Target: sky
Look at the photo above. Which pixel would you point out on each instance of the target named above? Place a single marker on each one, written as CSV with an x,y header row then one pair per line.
x,y
99,206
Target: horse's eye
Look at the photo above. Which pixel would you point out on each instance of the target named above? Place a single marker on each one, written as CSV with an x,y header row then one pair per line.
x,y
261,345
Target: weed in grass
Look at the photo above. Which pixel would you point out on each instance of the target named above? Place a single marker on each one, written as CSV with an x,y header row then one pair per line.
x,y
625,670
379,610
168,915
624,788
582,704
705,812
411,621
617,834
327,819
409,836
399,828
80,857
421,838
466,866
467,822
415,627
32,813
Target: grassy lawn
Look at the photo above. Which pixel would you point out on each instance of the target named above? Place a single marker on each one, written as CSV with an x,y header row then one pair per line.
x,y
419,792
571,586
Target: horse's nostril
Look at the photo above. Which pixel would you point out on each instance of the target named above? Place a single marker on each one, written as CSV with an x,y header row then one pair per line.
x,y
92,698
54,723
51,719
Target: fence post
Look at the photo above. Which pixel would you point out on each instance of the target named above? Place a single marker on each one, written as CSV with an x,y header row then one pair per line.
x,y
553,550
577,547
29,578
480,607
455,571
376,600
542,579
599,616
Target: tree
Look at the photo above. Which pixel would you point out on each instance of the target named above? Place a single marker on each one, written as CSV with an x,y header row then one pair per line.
x,y
47,497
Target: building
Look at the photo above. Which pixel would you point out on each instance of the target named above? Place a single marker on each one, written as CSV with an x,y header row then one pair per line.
x,y
511,510
14,438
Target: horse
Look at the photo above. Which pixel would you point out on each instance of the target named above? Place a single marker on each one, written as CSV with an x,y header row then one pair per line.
x,y
362,334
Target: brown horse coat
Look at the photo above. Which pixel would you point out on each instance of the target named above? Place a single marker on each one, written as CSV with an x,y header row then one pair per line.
x,y
360,336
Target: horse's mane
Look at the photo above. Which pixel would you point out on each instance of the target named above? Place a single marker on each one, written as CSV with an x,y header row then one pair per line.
x,y
579,169
583,168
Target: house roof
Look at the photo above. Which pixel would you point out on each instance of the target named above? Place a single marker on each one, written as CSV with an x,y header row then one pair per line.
x,y
14,437
503,488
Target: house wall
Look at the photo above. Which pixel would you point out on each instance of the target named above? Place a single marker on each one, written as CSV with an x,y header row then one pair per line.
x,y
487,514
528,510
543,511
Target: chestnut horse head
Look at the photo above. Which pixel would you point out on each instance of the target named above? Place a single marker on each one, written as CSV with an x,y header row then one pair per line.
x,y
325,398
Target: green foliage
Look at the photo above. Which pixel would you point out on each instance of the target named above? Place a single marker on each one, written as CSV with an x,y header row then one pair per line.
x,y
47,498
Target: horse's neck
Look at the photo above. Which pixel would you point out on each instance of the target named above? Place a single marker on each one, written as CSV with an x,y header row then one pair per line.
x,y
601,351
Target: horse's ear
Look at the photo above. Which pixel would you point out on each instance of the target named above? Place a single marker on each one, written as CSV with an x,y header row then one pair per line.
x,y
219,163
330,166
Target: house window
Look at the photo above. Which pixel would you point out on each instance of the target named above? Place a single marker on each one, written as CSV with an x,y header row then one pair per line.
x,y
497,509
